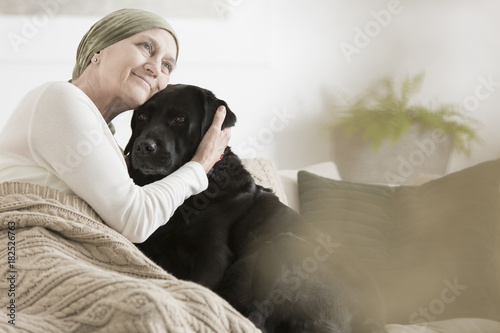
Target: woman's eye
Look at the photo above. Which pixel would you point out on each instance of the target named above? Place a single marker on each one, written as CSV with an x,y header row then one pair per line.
x,y
168,67
180,120
142,117
147,46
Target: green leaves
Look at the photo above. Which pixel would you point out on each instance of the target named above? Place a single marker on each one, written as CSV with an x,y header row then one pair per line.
x,y
386,113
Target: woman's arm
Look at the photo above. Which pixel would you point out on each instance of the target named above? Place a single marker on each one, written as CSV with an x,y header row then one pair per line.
x,y
69,137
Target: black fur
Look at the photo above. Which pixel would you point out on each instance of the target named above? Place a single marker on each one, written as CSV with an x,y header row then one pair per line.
x,y
238,239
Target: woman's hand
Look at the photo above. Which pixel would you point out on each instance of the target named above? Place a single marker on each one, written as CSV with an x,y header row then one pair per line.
x,y
214,142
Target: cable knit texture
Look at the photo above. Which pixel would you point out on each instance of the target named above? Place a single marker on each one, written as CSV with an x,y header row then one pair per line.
x,y
75,274
264,173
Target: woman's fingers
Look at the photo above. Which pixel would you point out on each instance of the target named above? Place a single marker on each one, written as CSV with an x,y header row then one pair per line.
x,y
219,117
214,142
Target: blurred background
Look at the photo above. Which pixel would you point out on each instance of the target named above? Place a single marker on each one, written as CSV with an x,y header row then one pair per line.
x,y
276,62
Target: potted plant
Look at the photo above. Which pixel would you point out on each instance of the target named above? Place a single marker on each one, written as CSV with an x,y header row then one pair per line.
x,y
381,137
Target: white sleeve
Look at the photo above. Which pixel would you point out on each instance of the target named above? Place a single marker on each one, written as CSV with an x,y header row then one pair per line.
x,y
70,138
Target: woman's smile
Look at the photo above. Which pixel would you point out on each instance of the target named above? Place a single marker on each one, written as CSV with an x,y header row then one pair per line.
x,y
143,79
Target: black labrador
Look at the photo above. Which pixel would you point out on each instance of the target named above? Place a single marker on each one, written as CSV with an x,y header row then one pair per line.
x,y
237,238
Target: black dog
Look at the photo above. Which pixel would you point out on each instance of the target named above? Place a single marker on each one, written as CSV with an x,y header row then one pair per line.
x,y
237,239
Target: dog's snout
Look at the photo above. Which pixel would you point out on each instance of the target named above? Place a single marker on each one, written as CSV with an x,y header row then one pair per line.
x,y
146,146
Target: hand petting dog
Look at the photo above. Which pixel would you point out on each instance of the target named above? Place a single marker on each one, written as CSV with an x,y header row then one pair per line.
x,y
215,141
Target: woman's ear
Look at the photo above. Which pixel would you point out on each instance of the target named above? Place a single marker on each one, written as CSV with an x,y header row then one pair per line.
x,y
95,57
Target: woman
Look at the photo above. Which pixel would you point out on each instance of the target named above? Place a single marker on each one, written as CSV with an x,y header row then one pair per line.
x,y
58,135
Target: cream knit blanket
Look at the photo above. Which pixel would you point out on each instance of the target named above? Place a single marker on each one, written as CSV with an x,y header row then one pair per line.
x,y
63,270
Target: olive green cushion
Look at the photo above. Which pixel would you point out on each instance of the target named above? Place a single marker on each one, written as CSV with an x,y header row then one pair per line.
x,y
430,247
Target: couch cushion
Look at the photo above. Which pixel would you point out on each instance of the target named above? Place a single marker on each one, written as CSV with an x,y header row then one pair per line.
x,y
431,247
459,325
265,174
288,179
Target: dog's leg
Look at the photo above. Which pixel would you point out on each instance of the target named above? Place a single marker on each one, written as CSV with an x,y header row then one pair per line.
x,y
209,267
236,283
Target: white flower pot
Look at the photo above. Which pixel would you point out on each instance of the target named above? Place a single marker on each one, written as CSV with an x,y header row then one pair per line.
x,y
417,154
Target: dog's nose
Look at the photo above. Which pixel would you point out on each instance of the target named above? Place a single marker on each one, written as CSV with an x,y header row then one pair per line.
x,y
146,146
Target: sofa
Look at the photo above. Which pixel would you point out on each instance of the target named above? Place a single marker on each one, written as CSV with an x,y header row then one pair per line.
x,y
433,246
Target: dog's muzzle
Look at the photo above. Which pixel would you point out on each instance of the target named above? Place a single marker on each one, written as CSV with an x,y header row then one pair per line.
x,y
145,147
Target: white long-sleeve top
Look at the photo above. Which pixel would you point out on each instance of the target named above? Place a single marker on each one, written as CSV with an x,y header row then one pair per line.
x,y
57,137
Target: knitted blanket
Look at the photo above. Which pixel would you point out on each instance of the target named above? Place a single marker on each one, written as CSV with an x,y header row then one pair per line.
x,y
63,270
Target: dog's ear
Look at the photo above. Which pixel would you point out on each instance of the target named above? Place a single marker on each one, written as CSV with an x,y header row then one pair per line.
x,y
230,119
211,104
130,143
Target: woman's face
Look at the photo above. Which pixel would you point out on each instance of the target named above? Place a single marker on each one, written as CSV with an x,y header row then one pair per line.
x,y
134,69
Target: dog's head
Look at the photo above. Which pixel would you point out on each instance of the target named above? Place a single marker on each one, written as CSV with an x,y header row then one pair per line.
x,y
167,130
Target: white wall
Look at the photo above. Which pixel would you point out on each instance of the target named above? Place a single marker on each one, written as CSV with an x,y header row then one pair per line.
x,y
273,62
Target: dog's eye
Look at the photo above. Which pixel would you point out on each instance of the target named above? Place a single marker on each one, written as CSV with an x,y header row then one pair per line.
x,y
180,120
142,117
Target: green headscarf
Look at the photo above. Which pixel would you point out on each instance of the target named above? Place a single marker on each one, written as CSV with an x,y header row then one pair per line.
x,y
113,28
